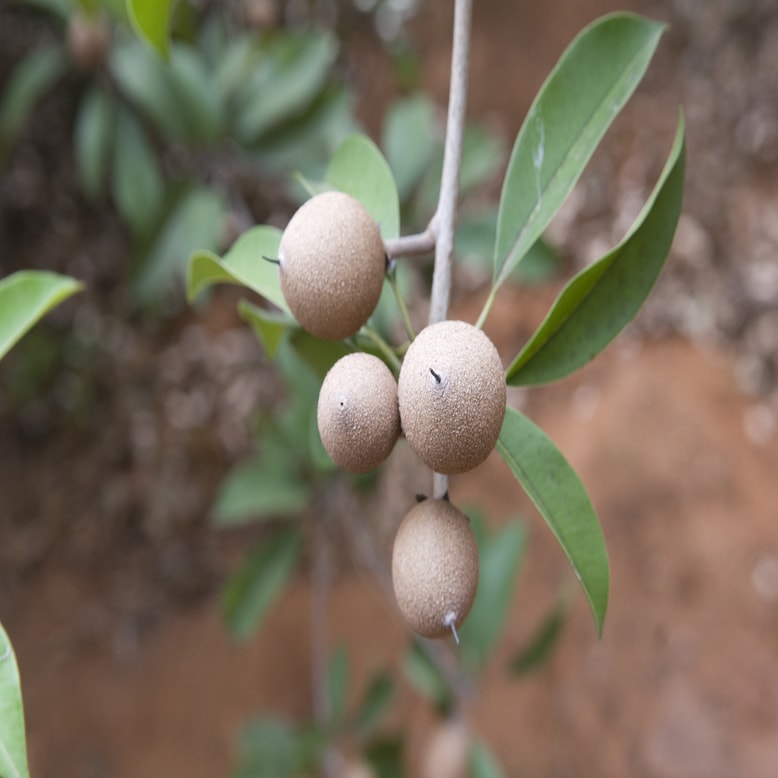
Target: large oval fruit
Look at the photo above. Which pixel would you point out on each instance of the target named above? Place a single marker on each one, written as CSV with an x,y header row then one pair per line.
x,y
435,568
452,395
357,414
332,263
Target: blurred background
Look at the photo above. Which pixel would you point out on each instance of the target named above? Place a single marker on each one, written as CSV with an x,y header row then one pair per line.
x,y
125,413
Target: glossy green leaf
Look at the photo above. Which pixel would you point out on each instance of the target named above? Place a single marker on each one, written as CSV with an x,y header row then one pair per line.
x,y
151,21
13,749
583,94
499,559
412,117
359,169
269,326
26,296
29,80
375,703
94,133
483,763
602,299
258,583
197,221
559,495
284,82
243,264
266,487
136,182
540,646
337,684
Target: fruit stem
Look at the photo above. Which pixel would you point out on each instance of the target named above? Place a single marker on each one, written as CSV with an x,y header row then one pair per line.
x,y
487,308
386,350
392,276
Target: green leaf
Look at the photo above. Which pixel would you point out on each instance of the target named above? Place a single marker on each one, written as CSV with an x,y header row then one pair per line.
x,y
542,643
28,81
94,132
319,355
586,90
284,82
482,157
385,756
151,21
13,749
267,750
269,326
426,677
483,763
137,184
243,264
148,83
192,82
412,117
266,487
601,300
375,703
337,684
25,297
257,584
196,221
558,494
499,560
359,169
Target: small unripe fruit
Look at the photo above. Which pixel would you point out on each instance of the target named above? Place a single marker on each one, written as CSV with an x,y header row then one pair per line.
x,y
435,568
357,414
332,263
452,396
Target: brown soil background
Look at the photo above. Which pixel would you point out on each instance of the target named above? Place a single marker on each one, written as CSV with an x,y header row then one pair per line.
x,y
110,572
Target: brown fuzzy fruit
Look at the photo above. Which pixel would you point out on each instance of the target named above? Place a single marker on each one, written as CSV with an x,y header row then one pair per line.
x,y
332,263
358,418
435,568
452,396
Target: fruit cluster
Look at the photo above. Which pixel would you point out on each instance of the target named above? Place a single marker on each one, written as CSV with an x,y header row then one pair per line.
x,y
448,400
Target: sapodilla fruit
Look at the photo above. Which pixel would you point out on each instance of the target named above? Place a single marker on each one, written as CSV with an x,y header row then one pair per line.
x,y
452,395
357,414
435,568
332,263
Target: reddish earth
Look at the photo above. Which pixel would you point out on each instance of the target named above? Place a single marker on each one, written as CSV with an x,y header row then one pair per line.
x,y
110,573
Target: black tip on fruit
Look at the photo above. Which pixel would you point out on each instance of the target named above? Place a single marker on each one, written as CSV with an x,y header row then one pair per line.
x,y
421,497
435,375
271,259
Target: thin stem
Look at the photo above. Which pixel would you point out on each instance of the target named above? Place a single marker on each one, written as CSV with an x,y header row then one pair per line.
x,y
392,276
449,182
385,349
487,307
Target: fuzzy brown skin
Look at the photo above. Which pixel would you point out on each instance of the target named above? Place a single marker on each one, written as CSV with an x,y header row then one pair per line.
x,y
435,568
452,396
357,414
332,263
